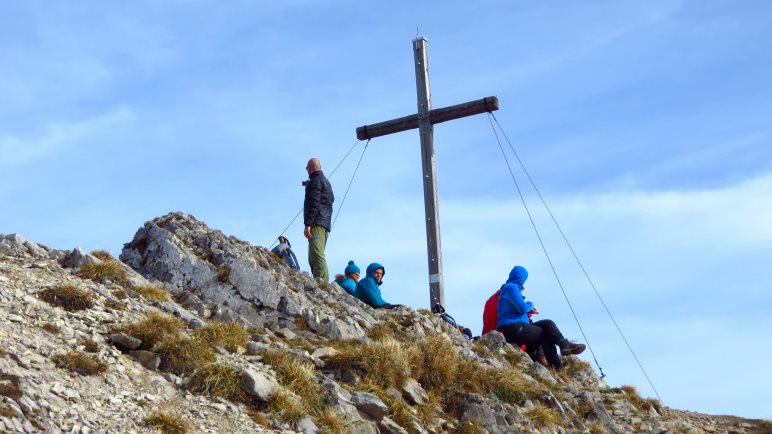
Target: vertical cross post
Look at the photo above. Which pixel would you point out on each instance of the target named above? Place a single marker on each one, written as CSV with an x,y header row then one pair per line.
x,y
431,208
424,120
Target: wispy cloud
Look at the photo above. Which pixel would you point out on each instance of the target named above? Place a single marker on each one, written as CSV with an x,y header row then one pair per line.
x,y
56,136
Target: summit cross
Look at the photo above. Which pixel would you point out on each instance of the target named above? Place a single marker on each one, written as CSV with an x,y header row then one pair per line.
x,y
424,120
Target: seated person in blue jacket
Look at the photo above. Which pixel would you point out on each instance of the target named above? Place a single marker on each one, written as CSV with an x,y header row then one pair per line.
x,y
514,325
349,279
368,289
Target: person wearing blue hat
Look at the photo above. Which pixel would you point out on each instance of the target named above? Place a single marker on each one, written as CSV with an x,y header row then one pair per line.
x,y
349,279
514,324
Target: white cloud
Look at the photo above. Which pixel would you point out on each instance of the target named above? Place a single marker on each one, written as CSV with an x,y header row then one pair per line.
x,y
16,150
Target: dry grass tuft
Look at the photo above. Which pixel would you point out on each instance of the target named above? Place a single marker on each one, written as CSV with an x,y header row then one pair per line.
x,y
154,328
103,255
400,413
217,380
331,421
6,411
103,271
386,363
158,293
634,398
68,297
297,375
290,407
51,328
438,364
230,336
10,386
182,355
80,362
113,305
259,417
223,274
90,346
595,427
168,423
468,427
382,330
541,416
120,294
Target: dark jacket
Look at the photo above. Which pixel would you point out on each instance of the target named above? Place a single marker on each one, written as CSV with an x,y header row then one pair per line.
x,y
317,206
368,289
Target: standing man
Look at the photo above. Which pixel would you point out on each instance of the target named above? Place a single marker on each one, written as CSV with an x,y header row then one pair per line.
x,y
317,216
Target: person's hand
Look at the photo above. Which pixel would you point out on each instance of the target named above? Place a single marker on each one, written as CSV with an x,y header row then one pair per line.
x,y
307,232
534,311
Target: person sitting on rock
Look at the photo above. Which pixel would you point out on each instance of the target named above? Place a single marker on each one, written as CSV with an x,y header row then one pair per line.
x,y
514,324
368,289
349,279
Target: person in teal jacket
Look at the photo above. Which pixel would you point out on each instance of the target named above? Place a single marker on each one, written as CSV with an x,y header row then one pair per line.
x,y
349,279
368,289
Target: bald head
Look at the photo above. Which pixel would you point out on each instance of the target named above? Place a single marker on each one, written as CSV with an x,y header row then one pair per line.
x,y
313,165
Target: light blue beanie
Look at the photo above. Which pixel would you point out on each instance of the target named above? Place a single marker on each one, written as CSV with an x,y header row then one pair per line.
x,y
351,268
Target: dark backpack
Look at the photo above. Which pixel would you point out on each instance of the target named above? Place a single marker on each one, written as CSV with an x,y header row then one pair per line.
x,y
284,251
440,311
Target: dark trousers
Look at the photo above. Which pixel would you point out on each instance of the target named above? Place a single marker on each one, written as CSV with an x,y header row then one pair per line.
x,y
542,333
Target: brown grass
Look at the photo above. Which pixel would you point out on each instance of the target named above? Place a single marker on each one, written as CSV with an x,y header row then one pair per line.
x,y
154,328
230,336
218,380
634,398
6,411
51,328
68,297
541,416
386,363
103,255
168,423
297,375
103,271
114,305
331,421
182,355
10,386
400,413
290,407
158,293
80,362
468,427
259,417
90,346
223,274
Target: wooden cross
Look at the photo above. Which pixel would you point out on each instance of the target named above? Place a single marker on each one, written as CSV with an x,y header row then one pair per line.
x,y
424,121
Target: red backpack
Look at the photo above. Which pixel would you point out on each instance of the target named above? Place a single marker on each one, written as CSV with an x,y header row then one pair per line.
x,y
491,315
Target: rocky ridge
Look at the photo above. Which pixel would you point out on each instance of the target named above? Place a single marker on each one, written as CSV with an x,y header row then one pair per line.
x,y
216,279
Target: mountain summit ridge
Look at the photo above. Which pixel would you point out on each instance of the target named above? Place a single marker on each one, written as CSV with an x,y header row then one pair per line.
x,y
278,352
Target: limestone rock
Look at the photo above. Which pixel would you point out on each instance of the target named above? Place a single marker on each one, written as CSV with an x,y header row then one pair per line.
x,y
125,341
414,393
148,359
369,404
257,384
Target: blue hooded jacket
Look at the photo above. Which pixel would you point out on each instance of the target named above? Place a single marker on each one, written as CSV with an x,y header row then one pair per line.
x,y
347,283
368,289
512,307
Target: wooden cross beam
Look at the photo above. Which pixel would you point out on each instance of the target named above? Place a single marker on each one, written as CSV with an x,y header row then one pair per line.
x,y
424,121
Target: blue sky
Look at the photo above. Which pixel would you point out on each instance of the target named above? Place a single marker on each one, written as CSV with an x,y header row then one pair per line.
x,y
646,126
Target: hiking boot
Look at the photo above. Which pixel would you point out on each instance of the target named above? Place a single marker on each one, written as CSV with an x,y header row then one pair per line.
x,y
568,348
540,359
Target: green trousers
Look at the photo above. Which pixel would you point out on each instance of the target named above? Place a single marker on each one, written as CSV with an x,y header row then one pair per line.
x,y
316,259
